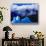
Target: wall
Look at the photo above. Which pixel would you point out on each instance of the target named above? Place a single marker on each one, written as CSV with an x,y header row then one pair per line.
x,y
23,30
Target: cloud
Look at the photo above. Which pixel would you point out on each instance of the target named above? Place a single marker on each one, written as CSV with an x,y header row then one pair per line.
x,y
16,7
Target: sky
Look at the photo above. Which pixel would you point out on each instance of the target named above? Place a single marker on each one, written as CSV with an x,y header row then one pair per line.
x,y
24,6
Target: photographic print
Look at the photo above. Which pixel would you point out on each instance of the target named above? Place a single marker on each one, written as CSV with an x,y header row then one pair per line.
x,y
24,13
